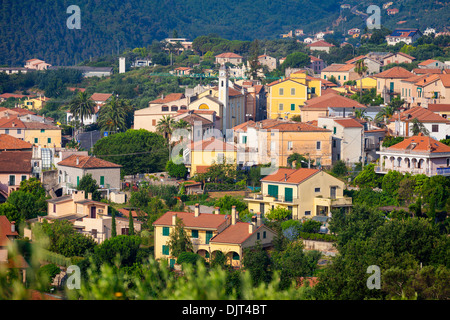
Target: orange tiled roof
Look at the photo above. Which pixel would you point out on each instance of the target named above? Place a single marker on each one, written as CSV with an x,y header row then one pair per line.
x,y
395,72
8,142
204,220
331,100
320,43
349,123
427,62
235,234
339,67
100,96
438,107
5,230
87,162
421,144
169,98
228,55
15,162
422,114
445,78
290,175
427,70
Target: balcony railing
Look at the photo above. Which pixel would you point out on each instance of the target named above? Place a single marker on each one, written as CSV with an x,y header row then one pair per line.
x,y
445,171
267,197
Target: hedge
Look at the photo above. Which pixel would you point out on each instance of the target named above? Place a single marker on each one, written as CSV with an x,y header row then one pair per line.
x,y
318,236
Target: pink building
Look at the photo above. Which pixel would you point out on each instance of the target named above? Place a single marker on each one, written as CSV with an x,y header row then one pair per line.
x,y
416,155
15,166
37,64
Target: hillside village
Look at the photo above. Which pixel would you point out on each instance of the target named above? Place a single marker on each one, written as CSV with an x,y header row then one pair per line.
x,y
243,160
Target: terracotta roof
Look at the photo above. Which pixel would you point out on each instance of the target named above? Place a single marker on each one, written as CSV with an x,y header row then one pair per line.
x,y
8,142
290,175
169,98
5,231
22,111
100,96
11,122
228,55
395,72
15,162
421,144
296,127
13,95
211,144
125,212
87,162
399,53
422,114
192,118
331,100
445,78
236,233
356,59
427,62
202,169
204,220
438,107
427,70
337,67
427,80
243,126
349,123
320,43
315,58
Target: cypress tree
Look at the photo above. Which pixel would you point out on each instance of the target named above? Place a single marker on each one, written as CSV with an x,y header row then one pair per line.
x,y
113,225
130,223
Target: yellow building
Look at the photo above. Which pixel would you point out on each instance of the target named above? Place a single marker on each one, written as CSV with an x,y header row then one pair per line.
x,y
34,103
211,232
287,95
367,83
204,153
42,134
305,192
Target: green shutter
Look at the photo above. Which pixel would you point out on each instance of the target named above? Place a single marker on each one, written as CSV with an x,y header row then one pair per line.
x,y
78,181
165,250
209,235
288,194
102,180
292,106
36,140
49,140
194,234
166,231
273,191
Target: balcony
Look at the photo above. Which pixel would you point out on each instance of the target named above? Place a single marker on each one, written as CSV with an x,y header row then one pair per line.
x,y
268,198
444,171
332,203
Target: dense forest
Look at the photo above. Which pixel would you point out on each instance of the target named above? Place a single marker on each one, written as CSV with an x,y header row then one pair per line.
x,y
38,29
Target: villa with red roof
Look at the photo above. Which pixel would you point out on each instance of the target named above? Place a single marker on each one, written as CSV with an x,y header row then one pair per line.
x,y
389,82
8,233
416,155
212,232
305,192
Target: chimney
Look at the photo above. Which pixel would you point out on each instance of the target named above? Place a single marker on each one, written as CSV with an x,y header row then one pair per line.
x,y
251,228
89,196
217,210
13,226
78,161
197,210
233,215
174,219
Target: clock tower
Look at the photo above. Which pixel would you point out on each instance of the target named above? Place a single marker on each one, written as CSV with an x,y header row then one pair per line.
x,y
223,96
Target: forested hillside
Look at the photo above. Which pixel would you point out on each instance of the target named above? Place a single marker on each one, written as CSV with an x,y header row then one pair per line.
x,y
37,28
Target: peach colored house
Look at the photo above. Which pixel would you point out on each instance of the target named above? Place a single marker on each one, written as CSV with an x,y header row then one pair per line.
x,y
341,72
421,90
389,82
89,217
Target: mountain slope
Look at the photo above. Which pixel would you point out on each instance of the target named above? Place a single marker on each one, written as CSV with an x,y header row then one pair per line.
x,y
37,28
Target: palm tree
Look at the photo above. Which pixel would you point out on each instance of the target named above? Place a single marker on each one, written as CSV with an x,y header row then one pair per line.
x,y
385,113
182,124
360,69
418,127
361,114
165,127
82,106
113,115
